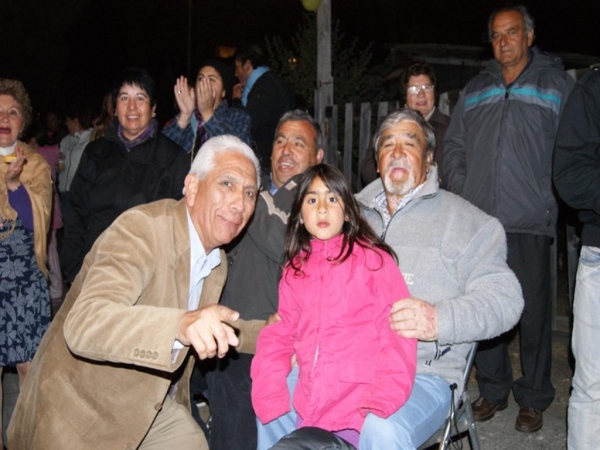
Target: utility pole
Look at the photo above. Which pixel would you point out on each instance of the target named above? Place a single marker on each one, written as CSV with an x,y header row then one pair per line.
x,y
324,91
189,39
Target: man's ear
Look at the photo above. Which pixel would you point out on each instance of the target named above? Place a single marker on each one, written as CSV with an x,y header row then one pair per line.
x,y
530,35
428,158
191,188
320,155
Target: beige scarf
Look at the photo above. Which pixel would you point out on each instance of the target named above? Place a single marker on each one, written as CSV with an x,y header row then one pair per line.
x,y
37,180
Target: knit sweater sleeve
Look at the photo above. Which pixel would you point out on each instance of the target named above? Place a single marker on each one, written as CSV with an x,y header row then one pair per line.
x,y
492,300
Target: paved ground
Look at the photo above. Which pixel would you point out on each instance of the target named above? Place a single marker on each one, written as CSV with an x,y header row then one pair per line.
x,y
499,433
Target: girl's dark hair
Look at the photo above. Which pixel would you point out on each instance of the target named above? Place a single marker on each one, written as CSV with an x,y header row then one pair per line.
x,y
355,230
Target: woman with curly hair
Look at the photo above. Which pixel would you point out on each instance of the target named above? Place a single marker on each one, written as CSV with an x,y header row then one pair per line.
x,y
25,203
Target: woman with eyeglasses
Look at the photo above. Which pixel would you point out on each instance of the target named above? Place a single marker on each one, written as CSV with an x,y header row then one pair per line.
x,y
418,92
418,87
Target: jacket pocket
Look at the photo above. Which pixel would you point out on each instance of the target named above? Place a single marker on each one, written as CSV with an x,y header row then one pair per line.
x,y
356,372
590,256
67,403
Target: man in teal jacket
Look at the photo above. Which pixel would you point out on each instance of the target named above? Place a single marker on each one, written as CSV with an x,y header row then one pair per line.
x,y
498,155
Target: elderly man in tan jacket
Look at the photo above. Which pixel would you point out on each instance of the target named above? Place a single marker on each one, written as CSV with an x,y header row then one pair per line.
x,y
113,370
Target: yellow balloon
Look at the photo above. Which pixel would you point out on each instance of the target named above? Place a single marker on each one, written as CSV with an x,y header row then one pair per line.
x,y
311,5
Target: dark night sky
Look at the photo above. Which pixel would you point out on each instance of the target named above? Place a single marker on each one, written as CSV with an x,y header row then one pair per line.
x,y
66,50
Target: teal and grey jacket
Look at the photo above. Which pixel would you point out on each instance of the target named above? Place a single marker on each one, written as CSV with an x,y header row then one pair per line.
x,y
498,147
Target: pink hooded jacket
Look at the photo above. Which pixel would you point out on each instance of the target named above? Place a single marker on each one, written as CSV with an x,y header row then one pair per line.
x,y
335,318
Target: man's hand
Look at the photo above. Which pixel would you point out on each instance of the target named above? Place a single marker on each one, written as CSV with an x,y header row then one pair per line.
x,y
204,329
414,318
237,91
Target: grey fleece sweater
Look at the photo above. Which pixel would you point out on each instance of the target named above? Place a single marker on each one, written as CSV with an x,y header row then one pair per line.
x,y
452,255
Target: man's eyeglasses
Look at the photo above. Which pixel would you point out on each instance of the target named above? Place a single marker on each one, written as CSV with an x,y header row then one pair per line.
x,y
414,90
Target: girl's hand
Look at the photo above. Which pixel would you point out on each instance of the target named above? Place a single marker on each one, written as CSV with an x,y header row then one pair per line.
x,y
186,101
13,174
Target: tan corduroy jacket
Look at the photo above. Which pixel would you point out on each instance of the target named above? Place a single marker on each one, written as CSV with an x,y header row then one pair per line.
x,y
104,367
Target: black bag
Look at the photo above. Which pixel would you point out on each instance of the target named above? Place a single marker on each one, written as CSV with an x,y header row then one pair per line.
x,y
312,438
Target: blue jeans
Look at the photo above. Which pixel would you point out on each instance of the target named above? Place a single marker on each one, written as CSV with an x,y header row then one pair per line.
x,y
584,404
421,416
270,433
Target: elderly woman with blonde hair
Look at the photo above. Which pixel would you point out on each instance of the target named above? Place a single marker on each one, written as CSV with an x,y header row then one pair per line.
x,y
25,203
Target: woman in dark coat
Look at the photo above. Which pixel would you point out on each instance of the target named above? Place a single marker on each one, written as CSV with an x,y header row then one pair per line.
x,y
131,165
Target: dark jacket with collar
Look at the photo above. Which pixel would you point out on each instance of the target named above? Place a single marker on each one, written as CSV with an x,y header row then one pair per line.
x,y
577,157
111,179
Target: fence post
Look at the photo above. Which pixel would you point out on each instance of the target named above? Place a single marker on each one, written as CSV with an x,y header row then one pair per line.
x,y
348,125
364,137
382,110
333,153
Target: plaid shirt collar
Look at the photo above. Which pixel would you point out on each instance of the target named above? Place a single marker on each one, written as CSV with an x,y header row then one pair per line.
x,y
381,202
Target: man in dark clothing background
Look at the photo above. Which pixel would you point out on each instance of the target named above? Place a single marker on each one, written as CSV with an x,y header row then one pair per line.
x,y
577,179
265,95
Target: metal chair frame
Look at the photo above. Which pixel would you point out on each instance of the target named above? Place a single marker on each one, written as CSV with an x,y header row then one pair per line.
x,y
460,418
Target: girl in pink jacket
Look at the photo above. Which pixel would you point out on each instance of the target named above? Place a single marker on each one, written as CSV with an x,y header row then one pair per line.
x,y
335,298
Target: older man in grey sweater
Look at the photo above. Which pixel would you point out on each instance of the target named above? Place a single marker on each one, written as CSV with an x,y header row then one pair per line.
x,y
453,257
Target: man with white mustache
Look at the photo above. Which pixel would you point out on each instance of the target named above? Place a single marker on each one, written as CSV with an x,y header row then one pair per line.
x,y
453,259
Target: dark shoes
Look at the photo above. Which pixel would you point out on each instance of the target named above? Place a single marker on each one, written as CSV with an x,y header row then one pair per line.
x,y
529,420
484,409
